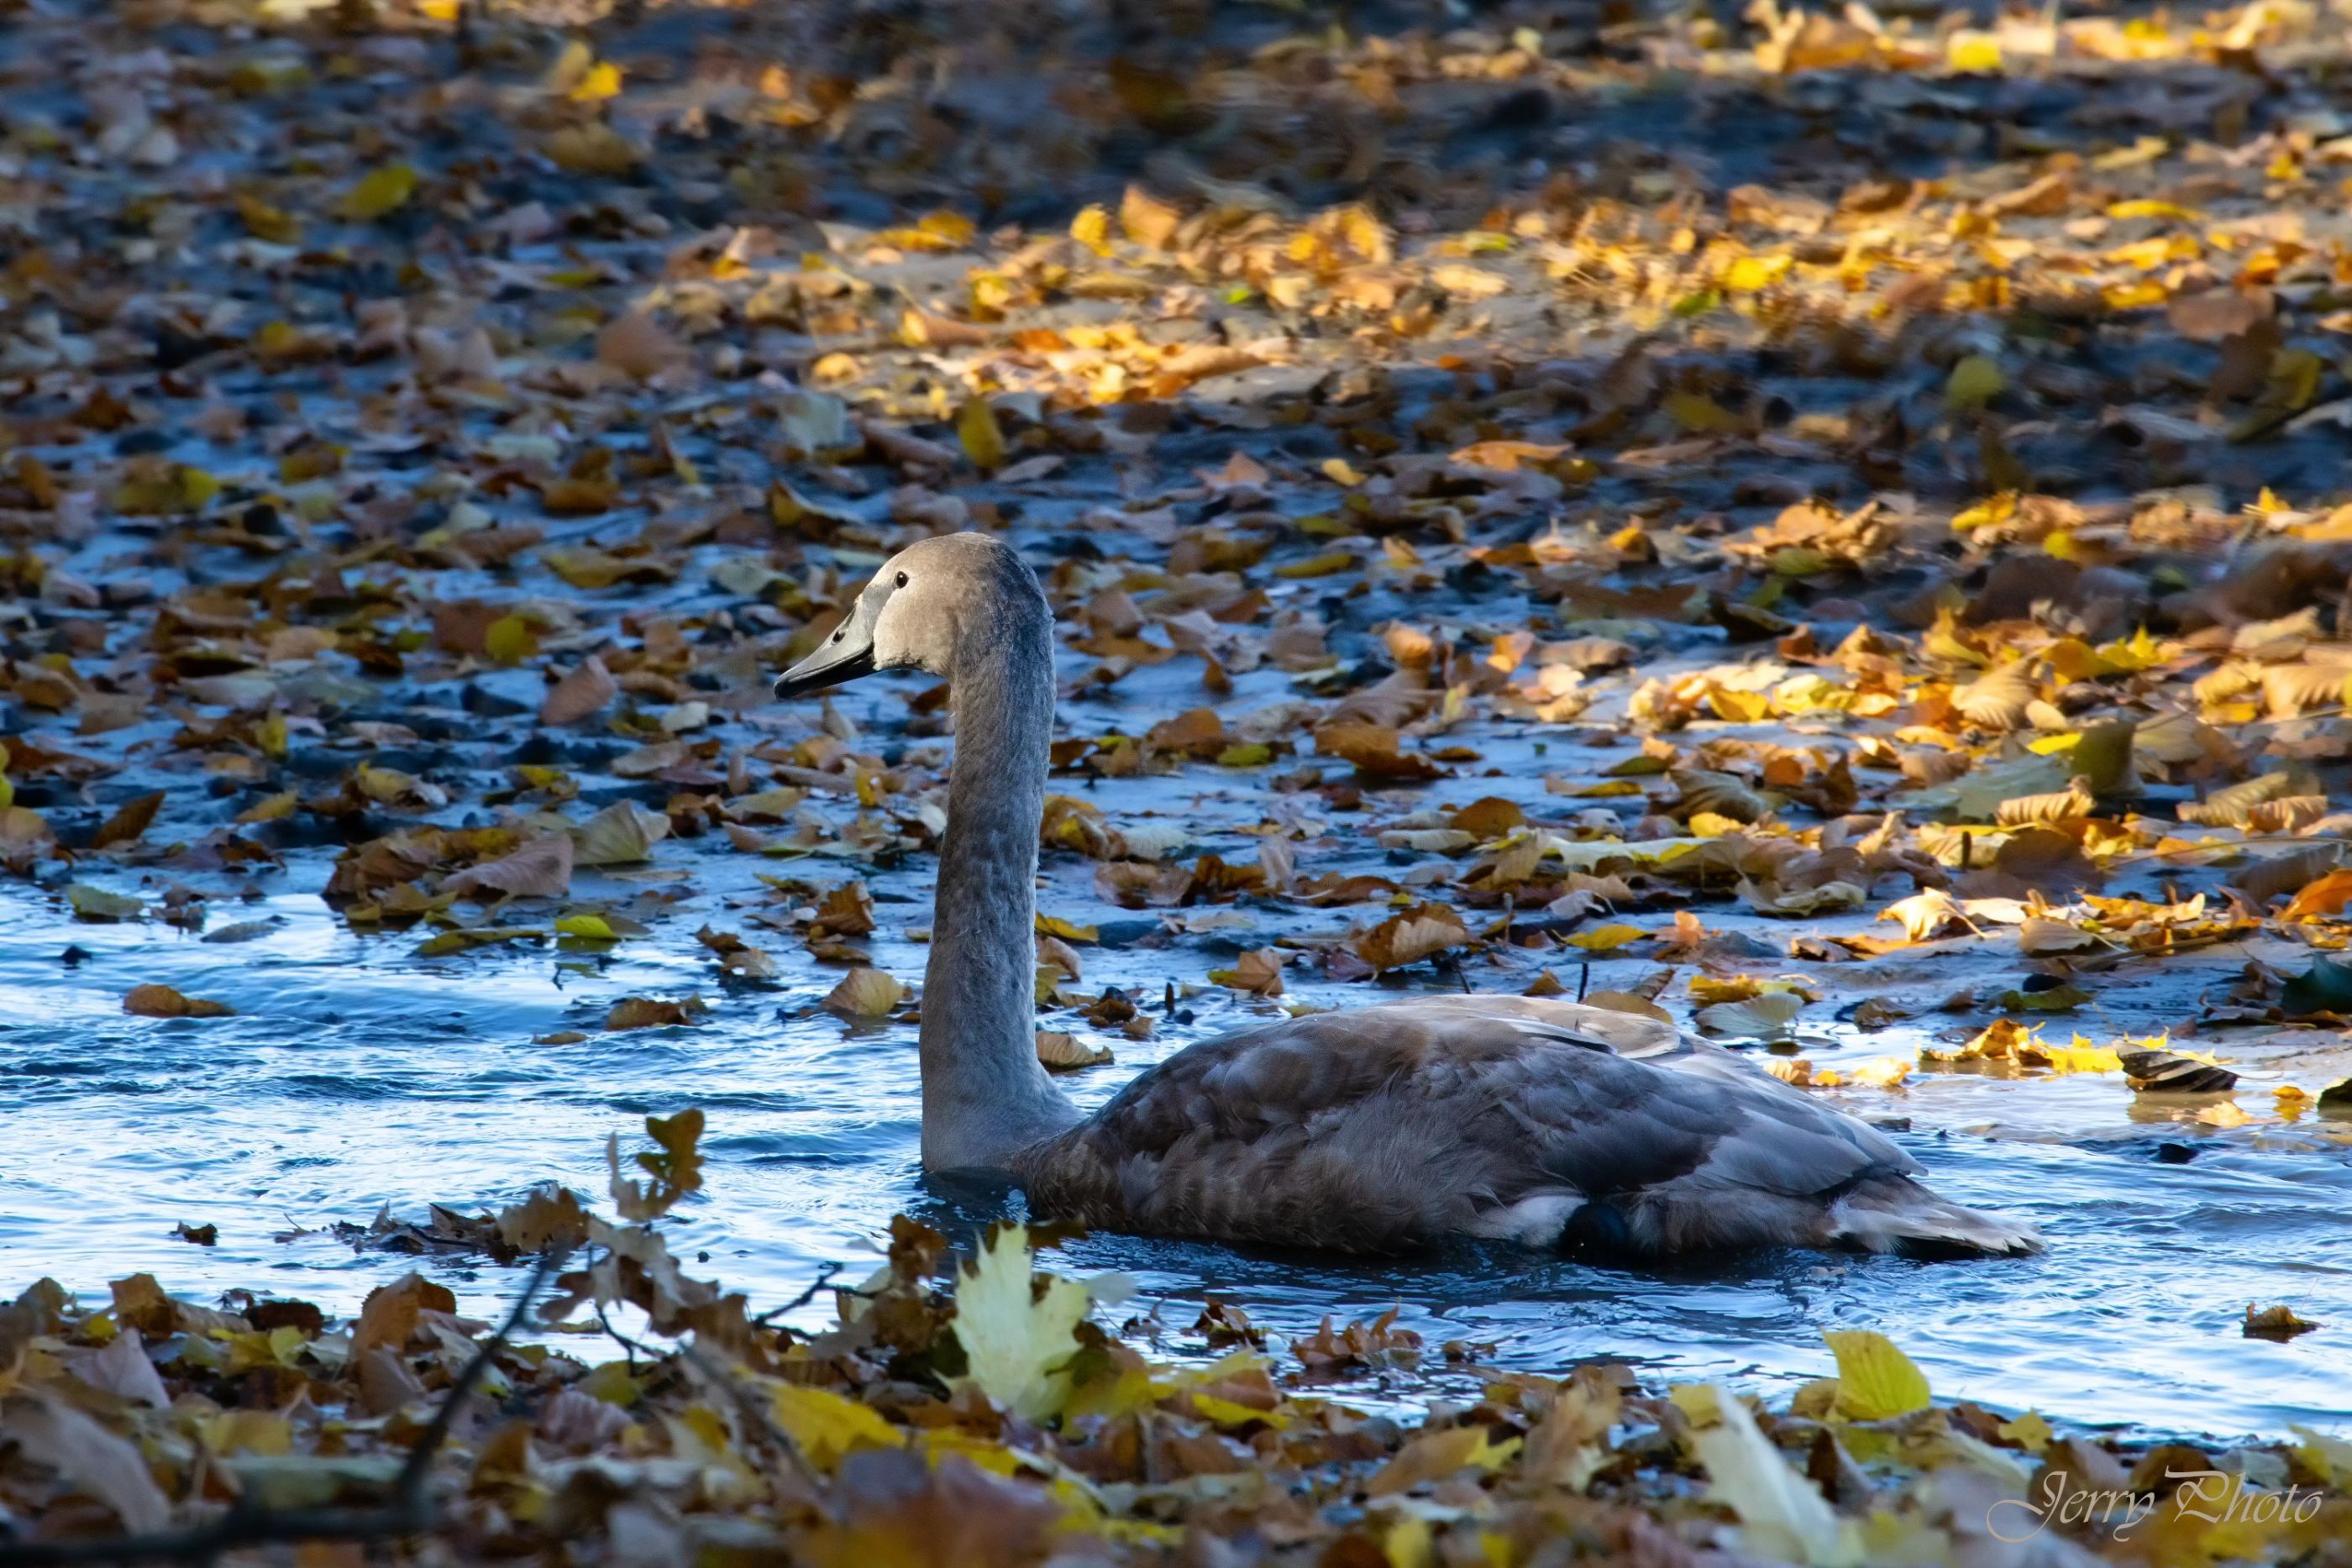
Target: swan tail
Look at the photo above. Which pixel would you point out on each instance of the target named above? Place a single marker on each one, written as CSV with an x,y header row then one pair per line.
x,y
1895,1214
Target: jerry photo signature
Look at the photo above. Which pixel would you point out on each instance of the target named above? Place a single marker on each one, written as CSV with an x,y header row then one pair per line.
x,y
2216,1496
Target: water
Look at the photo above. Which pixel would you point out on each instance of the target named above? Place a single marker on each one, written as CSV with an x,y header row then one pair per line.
x,y
357,1076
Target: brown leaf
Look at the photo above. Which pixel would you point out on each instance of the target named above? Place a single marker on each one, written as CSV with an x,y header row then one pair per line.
x,y
155,1001
1257,971
1372,748
391,1312
90,1458
1409,937
1064,1052
637,345
2212,314
866,993
1196,732
648,1012
541,869
2278,1323
122,1369
130,821
1148,220
581,693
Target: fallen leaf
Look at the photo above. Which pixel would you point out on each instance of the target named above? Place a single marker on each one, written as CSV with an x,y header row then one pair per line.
x,y
1017,1343
866,993
540,869
157,1001
1876,1380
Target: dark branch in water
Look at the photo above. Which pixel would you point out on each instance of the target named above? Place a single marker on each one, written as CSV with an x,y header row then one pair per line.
x,y
824,1276
411,1511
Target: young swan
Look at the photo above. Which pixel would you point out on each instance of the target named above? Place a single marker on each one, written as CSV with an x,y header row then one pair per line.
x,y
1376,1130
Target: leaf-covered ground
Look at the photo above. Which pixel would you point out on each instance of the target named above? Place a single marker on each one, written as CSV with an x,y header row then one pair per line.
x,y
969,1414
1831,525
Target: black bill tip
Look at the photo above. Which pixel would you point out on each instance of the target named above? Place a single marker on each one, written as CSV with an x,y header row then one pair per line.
x,y
811,675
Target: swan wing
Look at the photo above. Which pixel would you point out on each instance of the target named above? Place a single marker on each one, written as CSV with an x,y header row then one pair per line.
x,y
1391,1125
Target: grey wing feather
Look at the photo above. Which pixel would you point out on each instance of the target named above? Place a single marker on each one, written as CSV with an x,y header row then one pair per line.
x,y
1391,1125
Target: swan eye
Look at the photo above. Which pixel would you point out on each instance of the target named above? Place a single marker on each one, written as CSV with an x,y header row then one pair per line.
x,y
836,637
902,579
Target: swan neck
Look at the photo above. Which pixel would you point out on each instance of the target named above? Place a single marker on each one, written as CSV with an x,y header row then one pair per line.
x,y
985,1097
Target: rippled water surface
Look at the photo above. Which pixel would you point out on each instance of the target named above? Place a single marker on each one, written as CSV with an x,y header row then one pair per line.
x,y
357,1076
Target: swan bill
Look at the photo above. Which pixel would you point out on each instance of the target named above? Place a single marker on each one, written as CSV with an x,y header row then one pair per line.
x,y
830,665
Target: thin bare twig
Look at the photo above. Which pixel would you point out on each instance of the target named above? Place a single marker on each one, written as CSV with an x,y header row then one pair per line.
x,y
824,1276
411,1511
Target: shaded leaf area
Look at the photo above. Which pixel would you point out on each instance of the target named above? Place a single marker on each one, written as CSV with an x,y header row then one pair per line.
x,y
1862,539
982,1412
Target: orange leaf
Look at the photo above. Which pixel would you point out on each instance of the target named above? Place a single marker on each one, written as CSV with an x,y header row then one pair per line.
x,y
2327,896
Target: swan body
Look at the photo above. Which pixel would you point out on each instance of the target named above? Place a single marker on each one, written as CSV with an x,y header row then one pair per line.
x,y
1379,1129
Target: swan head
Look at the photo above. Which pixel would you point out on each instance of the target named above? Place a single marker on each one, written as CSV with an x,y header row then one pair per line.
x,y
924,609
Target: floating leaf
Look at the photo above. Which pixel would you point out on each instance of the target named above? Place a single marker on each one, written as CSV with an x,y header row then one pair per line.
x,y
540,869
649,1012
1764,1017
866,993
1064,1052
623,833
1417,934
156,1001
97,903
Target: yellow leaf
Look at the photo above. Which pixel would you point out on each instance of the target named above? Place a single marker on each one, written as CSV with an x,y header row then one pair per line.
x,y
601,81
1700,414
1753,274
1317,566
1017,1346
1970,51
983,437
1876,1380
2029,1432
1603,938
825,1427
1976,382
509,640
1739,708
594,149
378,192
1091,228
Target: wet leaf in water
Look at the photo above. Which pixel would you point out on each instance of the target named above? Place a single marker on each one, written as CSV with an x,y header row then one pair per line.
x,y
541,869
1064,1052
623,833
97,903
866,993
155,1001
650,1012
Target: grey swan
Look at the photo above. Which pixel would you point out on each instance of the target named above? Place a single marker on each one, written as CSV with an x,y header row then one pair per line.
x,y
1378,1130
